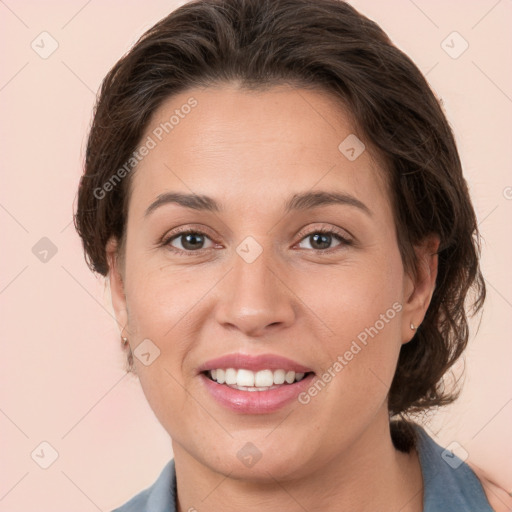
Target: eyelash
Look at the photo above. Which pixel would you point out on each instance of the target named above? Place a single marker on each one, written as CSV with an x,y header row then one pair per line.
x,y
187,231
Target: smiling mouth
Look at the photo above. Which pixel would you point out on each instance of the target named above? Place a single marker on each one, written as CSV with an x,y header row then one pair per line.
x,y
247,380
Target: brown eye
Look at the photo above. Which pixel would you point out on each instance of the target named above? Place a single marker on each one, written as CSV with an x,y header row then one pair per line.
x,y
189,241
322,240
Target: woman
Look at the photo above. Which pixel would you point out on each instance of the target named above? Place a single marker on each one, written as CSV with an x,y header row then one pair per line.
x,y
276,198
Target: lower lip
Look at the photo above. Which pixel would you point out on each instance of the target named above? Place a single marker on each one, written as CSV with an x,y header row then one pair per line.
x,y
256,402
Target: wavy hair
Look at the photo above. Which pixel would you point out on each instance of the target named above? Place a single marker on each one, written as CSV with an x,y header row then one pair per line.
x,y
328,46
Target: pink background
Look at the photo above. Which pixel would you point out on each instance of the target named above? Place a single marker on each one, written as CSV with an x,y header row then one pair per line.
x,y
62,378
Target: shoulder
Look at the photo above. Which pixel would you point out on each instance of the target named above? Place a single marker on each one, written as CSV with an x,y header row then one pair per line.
x,y
448,482
499,499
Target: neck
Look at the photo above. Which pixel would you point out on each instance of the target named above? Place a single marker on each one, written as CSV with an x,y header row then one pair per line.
x,y
370,475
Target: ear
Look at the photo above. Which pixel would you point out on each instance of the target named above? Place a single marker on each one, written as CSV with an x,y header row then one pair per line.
x,y
419,288
116,281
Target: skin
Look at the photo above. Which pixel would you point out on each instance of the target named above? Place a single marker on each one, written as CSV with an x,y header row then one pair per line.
x,y
498,497
250,151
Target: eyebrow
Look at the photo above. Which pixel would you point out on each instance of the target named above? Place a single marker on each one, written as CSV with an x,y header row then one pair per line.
x,y
298,202
308,200
192,201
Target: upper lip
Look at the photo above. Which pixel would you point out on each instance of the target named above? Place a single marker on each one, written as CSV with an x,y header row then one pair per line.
x,y
254,363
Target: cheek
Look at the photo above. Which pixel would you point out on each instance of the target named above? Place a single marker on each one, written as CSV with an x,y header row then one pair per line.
x,y
160,299
361,306
351,298
162,308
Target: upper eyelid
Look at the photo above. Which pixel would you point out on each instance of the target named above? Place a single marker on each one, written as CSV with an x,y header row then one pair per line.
x,y
183,230
343,233
204,231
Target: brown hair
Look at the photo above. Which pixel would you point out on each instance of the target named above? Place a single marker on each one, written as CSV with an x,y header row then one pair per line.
x,y
326,45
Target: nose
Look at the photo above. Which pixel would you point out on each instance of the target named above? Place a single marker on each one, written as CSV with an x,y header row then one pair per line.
x,y
255,298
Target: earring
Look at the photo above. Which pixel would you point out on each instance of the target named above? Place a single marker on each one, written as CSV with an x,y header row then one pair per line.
x,y
125,341
413,327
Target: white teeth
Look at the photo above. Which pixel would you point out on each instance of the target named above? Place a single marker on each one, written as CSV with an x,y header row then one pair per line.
x,y
245,378
290,377
279,376
221,376
264,378
231,376
248,380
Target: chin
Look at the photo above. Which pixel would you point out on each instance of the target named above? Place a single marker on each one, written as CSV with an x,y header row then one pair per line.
x,y
260,460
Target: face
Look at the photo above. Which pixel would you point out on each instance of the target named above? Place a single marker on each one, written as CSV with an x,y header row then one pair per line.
x,y
288,269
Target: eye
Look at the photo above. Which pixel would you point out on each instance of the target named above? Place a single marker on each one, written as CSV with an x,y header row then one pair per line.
x,y
321,240
188,241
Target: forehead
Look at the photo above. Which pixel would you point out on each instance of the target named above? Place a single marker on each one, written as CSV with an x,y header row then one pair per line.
x,y
228,143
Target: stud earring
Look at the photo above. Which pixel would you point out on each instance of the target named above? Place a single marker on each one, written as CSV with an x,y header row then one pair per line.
x,y
413,327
